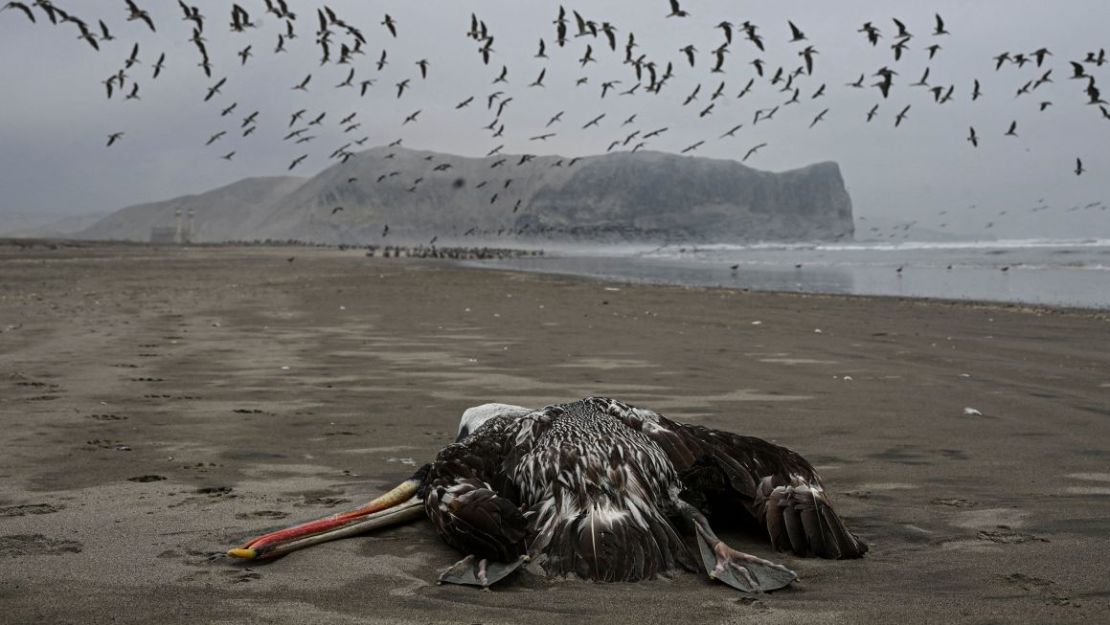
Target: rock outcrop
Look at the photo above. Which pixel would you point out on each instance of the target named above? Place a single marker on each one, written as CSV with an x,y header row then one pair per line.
x,y
644,196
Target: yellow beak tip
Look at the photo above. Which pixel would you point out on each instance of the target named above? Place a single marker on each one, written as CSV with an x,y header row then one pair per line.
x,y
246,554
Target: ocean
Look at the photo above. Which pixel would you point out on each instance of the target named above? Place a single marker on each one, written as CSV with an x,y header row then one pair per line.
x,y
1045,272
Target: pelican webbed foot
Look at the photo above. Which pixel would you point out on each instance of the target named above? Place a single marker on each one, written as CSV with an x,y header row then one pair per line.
x,y
475,571
743,571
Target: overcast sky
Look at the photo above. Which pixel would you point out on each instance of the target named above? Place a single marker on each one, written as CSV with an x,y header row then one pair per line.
x,y
55,118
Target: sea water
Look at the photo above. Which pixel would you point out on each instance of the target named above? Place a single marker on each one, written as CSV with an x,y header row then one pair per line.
x,y
1062,273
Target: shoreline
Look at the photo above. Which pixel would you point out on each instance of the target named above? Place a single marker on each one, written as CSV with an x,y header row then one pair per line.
x,y
1102,314
161,404
504,264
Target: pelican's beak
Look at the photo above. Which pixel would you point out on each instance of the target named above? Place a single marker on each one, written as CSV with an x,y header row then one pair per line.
x,y
397,506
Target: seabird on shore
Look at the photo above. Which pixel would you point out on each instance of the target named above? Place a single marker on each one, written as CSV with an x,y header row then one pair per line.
x,y
601,490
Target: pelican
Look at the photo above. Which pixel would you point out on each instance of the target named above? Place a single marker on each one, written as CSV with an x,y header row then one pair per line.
x,y
601,490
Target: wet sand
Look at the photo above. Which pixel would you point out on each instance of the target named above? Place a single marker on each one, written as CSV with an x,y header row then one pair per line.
x,y
158,405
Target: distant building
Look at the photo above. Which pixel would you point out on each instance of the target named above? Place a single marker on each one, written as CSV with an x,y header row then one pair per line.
x,y
181,233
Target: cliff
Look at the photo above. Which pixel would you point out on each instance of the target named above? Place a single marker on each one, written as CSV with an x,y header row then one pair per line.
x,y
644,196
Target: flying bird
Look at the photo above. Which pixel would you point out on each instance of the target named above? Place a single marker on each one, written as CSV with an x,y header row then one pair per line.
x,y
19,6
731,132
807,54
594,121
676,11
693,147
135,13
538,82
939,29
753,151
795,33
901,116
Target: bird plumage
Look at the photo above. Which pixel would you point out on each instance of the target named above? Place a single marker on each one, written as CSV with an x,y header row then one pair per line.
x,y
592,488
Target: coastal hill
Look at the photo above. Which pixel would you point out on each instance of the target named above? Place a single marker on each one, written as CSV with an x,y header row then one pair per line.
x,y
643,196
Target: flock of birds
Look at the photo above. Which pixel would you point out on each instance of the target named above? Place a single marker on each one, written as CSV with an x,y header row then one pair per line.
x,y
972,216
343,46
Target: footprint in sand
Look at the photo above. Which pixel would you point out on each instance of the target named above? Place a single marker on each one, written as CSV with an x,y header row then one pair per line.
x,y
996,525
902,454
214,491
202,558
98,443
912,455
36,545
36,384
243,576
26,509
262,514
754,603
327,502
953,502
325,498
201,467
107,417
1006,535
1045,589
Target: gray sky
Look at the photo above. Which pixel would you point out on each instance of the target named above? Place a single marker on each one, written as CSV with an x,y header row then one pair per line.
x,y
55,118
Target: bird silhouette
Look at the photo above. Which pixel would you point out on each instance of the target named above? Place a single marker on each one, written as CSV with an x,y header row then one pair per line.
x,y
901,116
939,30
752,151
795,33
390,24
135,13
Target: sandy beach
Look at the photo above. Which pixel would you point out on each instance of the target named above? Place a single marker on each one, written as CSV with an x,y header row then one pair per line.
x,y
160,404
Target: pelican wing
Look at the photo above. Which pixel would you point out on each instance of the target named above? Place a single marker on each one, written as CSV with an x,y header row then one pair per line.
x,y
470,501
774,485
